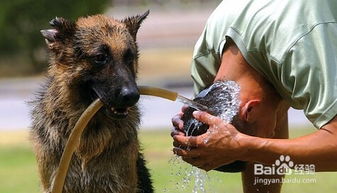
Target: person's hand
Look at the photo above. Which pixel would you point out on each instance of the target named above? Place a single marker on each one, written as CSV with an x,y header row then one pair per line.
x,y
178,124
220,145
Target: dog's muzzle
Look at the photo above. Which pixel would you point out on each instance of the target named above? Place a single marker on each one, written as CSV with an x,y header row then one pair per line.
x,y
118,101
125,100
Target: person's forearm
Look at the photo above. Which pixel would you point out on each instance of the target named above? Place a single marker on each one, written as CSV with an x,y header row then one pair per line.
x,y
319,148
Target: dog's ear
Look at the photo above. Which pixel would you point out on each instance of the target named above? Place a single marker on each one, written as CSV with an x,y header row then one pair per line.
x,y
133,23
63,29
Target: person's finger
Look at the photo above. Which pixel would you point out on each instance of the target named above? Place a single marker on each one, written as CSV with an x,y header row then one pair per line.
x,y
186,154
188,160
206,118
189,141
177,122
184,108
207,167
176,132
181,140
178,145
197,162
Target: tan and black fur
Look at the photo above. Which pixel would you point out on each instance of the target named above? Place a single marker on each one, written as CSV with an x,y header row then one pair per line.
x,y
95,56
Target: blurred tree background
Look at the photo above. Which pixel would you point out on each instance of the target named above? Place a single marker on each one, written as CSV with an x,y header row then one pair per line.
x,y
21,45
22,49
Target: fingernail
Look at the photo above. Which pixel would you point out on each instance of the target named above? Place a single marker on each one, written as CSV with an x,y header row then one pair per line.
x,y
196,113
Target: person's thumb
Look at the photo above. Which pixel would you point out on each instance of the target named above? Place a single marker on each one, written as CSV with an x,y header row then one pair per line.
x,y
206,118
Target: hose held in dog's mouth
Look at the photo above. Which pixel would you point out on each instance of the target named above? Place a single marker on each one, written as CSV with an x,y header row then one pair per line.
x,y
117,102
72,144
122,97
76,133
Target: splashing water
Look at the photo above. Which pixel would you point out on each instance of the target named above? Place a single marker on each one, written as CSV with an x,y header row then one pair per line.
x,y
220,99
190,177
191,103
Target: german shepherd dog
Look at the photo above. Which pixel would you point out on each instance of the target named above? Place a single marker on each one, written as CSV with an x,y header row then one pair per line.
x,y
94,57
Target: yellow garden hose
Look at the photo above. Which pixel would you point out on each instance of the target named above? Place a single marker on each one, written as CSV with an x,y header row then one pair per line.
x,y
72,144
76,133
159,92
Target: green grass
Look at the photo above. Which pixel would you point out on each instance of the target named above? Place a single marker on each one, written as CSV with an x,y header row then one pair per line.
x,y
168,172
18,171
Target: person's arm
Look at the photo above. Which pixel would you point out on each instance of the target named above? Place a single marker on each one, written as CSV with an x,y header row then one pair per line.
x,y
248,175
214,149
318,148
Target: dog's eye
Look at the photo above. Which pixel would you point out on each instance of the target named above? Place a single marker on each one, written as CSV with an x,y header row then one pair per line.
x,y
100,59
128,56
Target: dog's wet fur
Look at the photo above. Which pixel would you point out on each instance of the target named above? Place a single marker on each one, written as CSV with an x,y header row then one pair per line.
x,y
96,56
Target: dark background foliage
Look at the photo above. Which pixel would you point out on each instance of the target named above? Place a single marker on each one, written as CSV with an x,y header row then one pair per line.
x,y
22,20
22,49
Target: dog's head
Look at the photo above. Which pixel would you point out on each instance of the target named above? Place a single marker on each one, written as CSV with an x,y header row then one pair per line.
x,y
98,56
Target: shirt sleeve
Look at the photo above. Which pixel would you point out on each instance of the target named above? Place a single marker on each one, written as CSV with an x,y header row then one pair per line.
x,y
203,69
309,73
205,63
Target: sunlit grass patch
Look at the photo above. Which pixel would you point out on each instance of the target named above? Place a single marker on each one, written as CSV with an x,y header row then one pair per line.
x,y
18,170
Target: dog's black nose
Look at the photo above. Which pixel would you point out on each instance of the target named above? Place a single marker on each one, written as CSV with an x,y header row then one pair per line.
x,y
128,96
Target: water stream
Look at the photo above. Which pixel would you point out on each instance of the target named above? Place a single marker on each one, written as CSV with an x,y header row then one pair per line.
x,y
220,99
192,103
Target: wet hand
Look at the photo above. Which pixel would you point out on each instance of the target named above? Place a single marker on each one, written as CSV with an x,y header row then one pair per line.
x,y
178,124
220,145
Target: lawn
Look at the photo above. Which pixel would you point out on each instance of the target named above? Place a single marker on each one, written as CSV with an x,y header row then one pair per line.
x,y
18,172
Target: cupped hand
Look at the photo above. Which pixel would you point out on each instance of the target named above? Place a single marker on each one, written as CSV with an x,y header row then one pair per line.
x,y
178,123
220,145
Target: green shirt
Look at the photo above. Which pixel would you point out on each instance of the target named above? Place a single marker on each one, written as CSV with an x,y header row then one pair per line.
x,y
292,43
